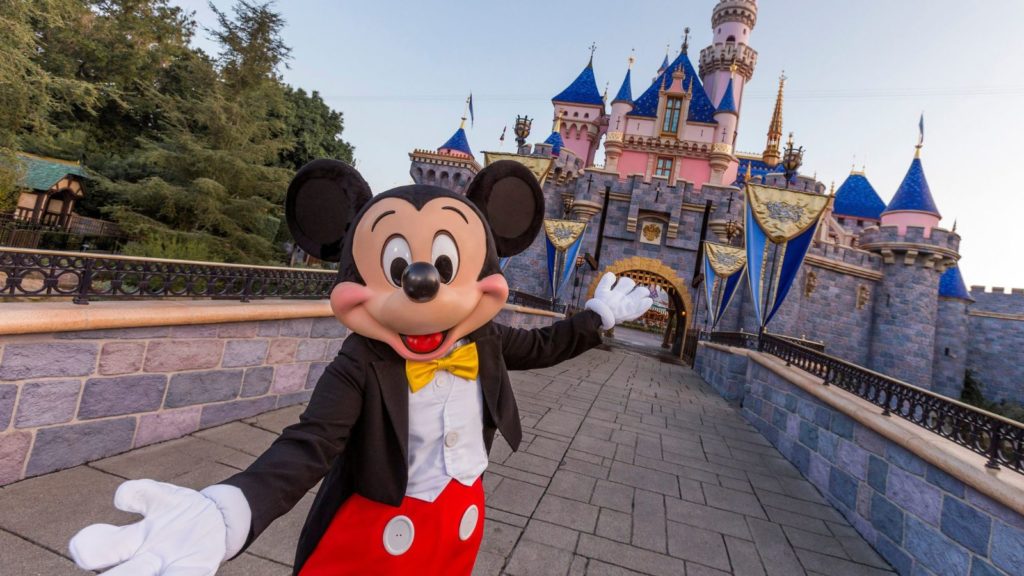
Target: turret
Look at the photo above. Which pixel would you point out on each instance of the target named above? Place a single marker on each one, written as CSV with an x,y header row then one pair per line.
x,y
451,166
581,108
906,305
951,334
621,105
857,204
722,148
913,205
730,57
674,103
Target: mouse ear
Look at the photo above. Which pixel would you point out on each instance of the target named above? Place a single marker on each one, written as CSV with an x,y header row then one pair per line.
x,y
323,198
510,198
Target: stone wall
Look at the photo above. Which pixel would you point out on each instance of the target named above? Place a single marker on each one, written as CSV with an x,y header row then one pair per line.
x,y
951,337
933,510
995,354
67,398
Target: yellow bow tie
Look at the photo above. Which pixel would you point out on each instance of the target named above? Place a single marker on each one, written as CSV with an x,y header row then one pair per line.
x,y
462,362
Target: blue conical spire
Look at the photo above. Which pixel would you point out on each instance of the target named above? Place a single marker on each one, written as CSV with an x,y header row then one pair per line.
x,y
583,90
951,285
458,142
914,195
857,197
728,102
625,93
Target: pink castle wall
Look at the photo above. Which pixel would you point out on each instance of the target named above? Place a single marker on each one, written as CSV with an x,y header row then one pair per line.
x,y
632,163
694,170
903,219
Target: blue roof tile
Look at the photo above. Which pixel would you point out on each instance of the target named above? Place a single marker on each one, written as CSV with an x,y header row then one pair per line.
x,y
913,193
664,64
856,197
583,90
728,103
701,109
458,142
625,93
556,143
951,285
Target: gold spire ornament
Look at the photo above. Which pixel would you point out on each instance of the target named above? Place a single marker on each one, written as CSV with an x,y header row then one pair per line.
x,y
772,155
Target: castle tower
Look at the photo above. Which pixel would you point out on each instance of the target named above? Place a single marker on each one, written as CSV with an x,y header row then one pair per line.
x,y
903,336
621,105
951,334
857,204
581,108
772,154
730,57
451,166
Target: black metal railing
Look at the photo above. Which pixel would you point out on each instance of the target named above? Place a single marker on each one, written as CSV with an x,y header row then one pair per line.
x,y
736,339
531,301
84,276
998,439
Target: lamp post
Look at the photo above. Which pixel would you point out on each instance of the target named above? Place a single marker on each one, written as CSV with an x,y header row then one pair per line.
x,y
792,159
522,129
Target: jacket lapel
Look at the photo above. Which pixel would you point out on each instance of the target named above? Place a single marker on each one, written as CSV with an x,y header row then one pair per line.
x,y
394,389
488,355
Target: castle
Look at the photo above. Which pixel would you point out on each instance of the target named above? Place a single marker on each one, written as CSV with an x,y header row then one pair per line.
x,y
879,287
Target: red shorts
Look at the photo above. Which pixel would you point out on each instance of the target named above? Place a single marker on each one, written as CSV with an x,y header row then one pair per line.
x,y
419,538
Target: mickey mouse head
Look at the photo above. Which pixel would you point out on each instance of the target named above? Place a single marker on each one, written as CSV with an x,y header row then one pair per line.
x,y
418,265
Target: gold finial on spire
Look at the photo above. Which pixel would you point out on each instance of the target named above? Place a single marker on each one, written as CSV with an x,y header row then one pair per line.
x,y
593,48
686,39
747,178
463,123
604,97
632,57
832,190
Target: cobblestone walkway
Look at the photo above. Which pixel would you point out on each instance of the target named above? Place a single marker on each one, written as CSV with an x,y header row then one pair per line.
x,y
628,466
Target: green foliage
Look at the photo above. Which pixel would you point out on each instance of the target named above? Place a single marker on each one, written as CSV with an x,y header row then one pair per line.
x,y
972,394
190,154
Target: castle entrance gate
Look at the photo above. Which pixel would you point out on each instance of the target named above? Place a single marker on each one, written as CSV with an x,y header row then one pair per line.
x,y
671,317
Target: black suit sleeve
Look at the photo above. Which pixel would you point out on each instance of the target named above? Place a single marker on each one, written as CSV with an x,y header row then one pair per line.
x,y
305,451
543,347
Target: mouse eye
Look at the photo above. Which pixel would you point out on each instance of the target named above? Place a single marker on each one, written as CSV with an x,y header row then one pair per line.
x,y
445,256
395,259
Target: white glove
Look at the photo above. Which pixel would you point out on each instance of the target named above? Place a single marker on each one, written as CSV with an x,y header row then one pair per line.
x,y
184,532
626,301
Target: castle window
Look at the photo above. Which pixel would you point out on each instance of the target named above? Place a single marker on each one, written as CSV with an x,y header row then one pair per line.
x,y
663,168
673,110
730,39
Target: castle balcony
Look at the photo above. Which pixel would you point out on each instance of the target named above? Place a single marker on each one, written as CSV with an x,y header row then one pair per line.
x,y
720,57
940,247
689,148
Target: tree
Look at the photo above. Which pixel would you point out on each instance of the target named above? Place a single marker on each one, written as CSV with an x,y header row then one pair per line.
x,y
315,128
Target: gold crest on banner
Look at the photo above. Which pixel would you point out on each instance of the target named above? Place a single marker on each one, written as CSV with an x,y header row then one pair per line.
x,y
562,233
725,260
784,214
538,165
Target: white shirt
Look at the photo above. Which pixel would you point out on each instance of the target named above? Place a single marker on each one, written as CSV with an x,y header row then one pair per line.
x,y
446,435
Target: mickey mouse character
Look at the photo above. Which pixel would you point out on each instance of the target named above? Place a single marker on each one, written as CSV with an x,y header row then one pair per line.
x,y
400,424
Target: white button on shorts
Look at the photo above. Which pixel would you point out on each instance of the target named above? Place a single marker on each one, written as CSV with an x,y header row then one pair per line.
x,y
451,438
398,535
469,519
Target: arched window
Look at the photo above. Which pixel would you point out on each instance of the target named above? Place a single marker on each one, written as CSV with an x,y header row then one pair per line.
x,y
730,39
673,110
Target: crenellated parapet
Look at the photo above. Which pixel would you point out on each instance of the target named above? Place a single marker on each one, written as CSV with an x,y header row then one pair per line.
x,y
929,247
721,58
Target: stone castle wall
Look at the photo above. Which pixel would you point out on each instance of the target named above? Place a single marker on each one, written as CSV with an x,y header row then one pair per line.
x,y
925,504
67,398
995,354
73,397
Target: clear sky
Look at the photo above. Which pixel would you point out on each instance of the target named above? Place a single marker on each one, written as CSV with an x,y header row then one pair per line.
x,y
860,74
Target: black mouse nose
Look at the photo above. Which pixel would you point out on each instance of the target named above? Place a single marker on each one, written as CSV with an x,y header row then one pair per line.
x,y
420,281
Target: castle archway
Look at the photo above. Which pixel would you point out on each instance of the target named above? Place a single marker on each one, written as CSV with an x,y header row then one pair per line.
x,y
650,271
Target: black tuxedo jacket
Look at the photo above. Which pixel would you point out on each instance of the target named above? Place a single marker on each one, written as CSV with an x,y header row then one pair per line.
x,y
355,429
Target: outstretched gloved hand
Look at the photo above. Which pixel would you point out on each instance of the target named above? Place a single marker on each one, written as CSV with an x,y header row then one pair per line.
x,y
625,301
184,532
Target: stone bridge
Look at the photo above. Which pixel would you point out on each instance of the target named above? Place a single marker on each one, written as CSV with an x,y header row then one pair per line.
x,y
629,465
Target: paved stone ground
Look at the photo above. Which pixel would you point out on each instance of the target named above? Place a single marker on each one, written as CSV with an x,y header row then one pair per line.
x,y
628,466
